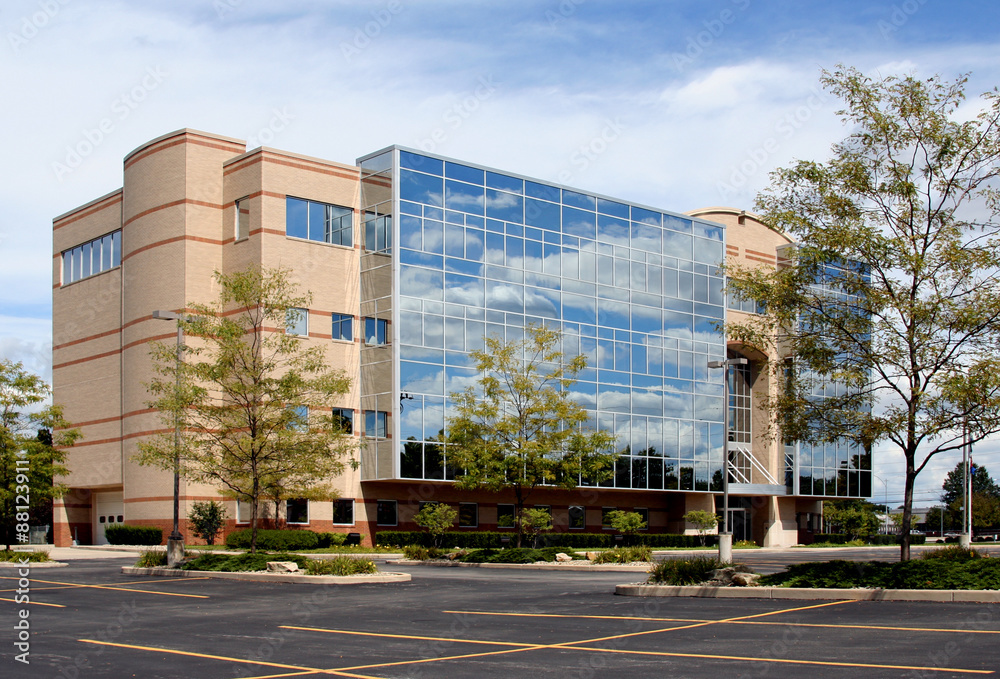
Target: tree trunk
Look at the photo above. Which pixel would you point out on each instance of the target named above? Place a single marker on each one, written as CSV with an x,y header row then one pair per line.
x,y
254,508
904,529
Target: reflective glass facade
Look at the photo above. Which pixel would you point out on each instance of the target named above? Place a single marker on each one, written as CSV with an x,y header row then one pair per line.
x,y
636,290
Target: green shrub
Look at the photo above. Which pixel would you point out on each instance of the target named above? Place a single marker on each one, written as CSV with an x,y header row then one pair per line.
x,y
625,555
32,556
274,540
340,565
330,540
124,534
421,553
516,555
948,572
577,540
954,553
745,544
207,519
240,562
875,539
152,559
692,570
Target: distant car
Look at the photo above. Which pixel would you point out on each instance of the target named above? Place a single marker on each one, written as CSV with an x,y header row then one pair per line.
x,y
951,535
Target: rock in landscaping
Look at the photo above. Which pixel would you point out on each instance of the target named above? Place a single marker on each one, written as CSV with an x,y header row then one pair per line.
x,y
282,567
563,557
732,577
591,556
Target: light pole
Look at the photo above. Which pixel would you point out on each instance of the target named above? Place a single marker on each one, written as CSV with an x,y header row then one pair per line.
x,y
725,536
175,542
885,488
965,537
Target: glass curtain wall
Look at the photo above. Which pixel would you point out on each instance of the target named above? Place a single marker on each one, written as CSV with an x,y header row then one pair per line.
x,y
637,291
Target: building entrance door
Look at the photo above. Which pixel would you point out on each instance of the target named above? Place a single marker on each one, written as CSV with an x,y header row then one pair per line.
x,y
108,508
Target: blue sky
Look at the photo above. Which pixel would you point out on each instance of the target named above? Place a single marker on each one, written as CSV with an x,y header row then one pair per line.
x,y
677,104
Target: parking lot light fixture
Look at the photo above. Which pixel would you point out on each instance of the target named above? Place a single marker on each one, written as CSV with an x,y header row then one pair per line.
x,y
725,535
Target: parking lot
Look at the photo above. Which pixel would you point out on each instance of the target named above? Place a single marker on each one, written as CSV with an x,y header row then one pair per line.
x,y
87,620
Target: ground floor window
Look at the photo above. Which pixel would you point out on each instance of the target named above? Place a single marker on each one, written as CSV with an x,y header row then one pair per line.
x,y
644,513
606,517
385,513
468,514
577,517
297,511
505,516
343,512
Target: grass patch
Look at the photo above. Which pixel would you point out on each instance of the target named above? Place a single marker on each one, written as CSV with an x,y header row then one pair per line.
x,y
31,557
350,550
829,545
745,544
625,555
936,572
692,570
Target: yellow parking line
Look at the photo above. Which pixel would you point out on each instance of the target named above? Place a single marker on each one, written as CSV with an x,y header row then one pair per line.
x,y
121,589
246,661
34,603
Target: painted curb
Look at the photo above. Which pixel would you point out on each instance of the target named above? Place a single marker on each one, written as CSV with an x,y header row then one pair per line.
x,y
381,578
526,566
801,593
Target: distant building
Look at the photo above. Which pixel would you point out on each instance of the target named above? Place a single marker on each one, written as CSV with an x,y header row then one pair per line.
x,y
412,259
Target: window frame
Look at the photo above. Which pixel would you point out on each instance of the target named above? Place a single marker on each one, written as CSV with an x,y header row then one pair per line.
x,y
340,320
475,514
379,509
304,320
381,328
329,220
344,414
239,233
72,269
569,517
345,502
513,515
381,417
605,521
288,507
644,513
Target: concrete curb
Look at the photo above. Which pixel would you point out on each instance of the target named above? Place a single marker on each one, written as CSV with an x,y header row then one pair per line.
x,y
568,566
380,578
801,593
33,565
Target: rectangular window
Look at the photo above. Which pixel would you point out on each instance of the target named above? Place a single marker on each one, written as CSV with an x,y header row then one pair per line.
x,y
376,331
345,418
343,327
385,513
378,232
577,517
297,322
468,515
320,222
242,512
606,517
505,516
91,258
644,513
298,417
297,511
376,423
242,218
343,512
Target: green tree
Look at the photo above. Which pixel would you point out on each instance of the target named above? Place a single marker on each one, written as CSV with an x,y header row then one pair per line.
x,y
29,457
626,523
894,294
855,518
954,484
207,519
533,522
254,402
703,521
436,518
520,427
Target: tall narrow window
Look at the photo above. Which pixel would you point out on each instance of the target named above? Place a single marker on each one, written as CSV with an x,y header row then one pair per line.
x,y
242,218
375,423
